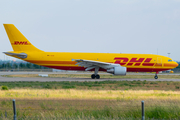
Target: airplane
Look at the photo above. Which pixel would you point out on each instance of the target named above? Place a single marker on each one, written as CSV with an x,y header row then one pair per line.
x,y
114,63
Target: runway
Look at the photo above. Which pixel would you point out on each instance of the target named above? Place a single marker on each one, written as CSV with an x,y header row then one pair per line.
x,y
47,79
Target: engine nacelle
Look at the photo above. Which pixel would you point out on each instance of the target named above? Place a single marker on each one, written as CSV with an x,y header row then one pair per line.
x,y
117,70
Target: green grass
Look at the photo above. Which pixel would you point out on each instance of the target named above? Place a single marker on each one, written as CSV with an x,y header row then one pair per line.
x,y
4,88
106,85
90,109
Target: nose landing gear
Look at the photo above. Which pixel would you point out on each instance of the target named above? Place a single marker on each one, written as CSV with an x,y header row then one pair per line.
x,y
156,77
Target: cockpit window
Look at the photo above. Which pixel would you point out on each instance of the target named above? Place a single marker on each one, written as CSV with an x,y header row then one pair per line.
x,y
169,60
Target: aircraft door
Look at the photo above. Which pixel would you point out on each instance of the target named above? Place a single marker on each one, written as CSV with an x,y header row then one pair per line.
x,y
159,61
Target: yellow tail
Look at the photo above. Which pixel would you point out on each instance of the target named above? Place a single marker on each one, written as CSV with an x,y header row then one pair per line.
x,y
17,39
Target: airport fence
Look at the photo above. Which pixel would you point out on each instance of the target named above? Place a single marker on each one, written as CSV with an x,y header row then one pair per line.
x,y
82,109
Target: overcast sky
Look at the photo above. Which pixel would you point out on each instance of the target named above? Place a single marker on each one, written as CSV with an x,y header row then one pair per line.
x,y
107,26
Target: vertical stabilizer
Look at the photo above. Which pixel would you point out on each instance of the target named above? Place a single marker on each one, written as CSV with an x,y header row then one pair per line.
x,y
18,40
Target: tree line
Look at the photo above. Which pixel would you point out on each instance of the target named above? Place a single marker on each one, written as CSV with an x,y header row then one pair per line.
x,y
21,65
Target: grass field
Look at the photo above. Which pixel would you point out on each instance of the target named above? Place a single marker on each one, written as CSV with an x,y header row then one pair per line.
x,y
102,100
97,85
89,94
90,104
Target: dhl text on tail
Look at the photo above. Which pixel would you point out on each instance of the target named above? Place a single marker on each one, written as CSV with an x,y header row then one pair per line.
x,y
117,64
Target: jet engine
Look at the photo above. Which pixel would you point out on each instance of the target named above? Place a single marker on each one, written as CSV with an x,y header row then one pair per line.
x,y
117,70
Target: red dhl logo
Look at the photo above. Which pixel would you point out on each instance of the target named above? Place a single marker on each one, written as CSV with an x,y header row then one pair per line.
x,y
133,61
21,43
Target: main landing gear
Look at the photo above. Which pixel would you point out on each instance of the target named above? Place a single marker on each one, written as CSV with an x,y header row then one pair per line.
x,y
156,77
95,75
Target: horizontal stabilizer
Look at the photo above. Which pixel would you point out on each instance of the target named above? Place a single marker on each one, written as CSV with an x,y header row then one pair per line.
x,y
20,55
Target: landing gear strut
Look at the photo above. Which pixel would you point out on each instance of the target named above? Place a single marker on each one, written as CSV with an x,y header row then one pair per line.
x,y
156,77
95,75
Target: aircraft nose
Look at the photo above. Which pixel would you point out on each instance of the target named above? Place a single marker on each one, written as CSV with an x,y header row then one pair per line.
x,y
176,64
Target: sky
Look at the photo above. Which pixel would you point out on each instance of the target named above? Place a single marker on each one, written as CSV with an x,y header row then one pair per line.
x,y
102,26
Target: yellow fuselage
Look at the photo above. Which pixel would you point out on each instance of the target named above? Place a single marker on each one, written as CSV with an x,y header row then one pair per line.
x,y
133,62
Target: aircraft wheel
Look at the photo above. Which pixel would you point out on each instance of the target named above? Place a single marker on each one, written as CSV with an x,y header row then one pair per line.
x,y
93,76
97,76
155,77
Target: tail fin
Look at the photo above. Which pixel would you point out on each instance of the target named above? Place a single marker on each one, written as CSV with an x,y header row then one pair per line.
x,y
17,39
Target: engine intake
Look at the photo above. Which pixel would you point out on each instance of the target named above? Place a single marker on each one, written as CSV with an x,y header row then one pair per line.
x,y
117,70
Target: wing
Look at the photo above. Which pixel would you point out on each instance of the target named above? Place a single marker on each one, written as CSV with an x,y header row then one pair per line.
x,y
89,64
